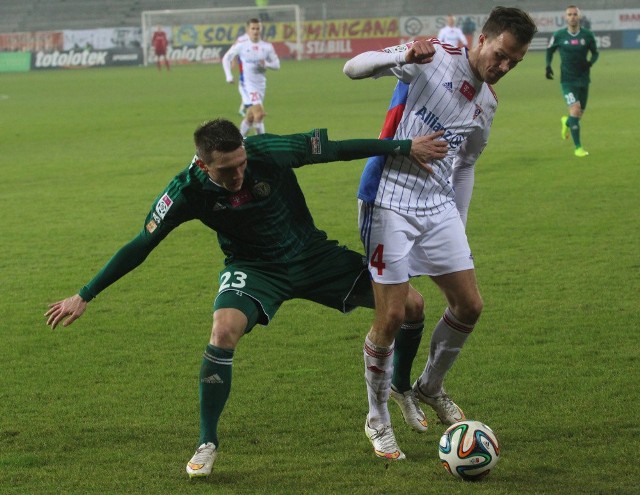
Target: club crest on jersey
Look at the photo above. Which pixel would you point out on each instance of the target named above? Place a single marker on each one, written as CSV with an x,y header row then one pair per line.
x,y
151,226
467,90
448,86
261,190
163,205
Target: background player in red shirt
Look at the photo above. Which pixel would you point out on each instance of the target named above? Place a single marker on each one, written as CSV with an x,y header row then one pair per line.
x,y
160,42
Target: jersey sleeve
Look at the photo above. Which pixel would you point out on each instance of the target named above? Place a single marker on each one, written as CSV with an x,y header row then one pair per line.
x,y
296,150
593,48
226,61
463,176
165,215
375,64
551,48
272,61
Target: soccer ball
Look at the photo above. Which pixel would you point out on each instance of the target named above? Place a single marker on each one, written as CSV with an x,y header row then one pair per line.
x,y
469,450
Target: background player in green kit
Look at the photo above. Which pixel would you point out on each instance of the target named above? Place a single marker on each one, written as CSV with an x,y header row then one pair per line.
x,y
247,192
574,43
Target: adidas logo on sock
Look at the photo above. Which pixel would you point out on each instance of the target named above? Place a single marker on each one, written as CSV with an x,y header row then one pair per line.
x,y
215,378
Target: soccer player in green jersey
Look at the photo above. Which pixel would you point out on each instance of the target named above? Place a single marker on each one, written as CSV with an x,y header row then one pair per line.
x,y
247,192
574,43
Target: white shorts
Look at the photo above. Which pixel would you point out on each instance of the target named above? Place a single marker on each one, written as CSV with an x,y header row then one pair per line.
x,y
251,95
400,246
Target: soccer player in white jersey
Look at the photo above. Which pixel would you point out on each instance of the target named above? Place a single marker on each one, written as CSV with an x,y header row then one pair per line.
x,y
412,223
451,34
256,56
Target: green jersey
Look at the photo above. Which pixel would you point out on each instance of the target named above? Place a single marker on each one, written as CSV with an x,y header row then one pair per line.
x,y
267,220
574,49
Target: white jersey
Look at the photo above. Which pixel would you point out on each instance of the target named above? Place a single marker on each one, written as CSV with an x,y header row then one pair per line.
x,y
255,58
452,36
440,95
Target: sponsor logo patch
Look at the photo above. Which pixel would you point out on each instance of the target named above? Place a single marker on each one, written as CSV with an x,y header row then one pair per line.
x,y
316,146
163,205
241,197
430,119
151,226
448,86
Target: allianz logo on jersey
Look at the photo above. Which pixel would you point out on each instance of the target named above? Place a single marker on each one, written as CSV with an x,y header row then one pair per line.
x,y
430,119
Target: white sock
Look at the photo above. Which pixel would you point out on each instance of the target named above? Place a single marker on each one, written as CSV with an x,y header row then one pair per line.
x,y
447,340
245,127
259,127
378,371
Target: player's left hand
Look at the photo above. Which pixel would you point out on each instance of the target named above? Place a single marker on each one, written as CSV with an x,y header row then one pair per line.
x,y
425,149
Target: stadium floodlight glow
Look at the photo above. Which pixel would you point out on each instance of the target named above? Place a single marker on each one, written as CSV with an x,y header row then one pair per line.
x,y
189,20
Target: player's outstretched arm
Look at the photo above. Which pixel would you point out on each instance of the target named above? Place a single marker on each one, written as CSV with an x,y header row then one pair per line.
x,y
425,149
66,311
373,63
369,64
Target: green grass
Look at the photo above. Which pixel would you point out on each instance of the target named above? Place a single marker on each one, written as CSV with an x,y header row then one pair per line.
x,y
109,405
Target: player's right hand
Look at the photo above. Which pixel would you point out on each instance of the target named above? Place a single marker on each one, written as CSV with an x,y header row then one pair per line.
x,y
549,74
425,149
69,310
421,52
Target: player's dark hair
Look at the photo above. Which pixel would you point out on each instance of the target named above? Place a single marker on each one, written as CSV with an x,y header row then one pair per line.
x,y
512,20
216,135
254,20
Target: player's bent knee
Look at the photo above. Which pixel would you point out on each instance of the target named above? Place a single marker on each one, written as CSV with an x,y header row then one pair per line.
x,y
414,307
472,310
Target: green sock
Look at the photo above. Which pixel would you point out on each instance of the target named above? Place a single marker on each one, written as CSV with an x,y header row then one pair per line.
x,y
215,385
573,123
407,343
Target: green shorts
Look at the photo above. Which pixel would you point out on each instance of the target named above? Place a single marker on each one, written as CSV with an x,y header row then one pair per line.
x,y
573,92
323,272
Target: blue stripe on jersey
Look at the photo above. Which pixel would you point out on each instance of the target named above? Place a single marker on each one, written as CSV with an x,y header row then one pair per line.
x,y
372,172
365,229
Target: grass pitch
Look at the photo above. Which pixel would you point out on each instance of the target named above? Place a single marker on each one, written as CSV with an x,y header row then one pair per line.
x,y
109,405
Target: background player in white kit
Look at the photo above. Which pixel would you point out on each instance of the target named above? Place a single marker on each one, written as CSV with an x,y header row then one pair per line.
x,y
409,221
451,34
256,56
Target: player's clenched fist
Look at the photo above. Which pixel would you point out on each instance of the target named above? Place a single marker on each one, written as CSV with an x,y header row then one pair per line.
x,y
421,52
